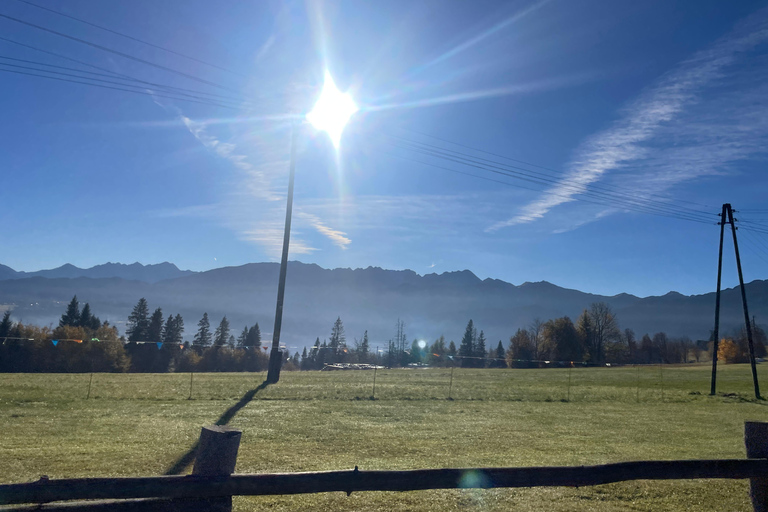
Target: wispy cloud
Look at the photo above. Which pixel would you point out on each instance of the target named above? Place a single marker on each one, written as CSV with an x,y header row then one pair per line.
x,y
338,238
631,139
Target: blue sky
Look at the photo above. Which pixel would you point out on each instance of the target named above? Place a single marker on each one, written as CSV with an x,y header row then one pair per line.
x,y
626,107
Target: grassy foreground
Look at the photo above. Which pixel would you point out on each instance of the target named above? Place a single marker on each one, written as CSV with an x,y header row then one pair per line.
x,y
141,424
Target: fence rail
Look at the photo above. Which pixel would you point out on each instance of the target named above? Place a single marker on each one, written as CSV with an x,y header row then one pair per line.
x,y
212,479
193,486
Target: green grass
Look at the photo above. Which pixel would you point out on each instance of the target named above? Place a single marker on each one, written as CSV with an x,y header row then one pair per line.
x,y
140,424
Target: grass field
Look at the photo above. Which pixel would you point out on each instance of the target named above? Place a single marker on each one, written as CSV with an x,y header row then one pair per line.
x,y
140,424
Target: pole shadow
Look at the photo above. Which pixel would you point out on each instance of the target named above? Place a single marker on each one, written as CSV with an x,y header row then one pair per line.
x,y
188,458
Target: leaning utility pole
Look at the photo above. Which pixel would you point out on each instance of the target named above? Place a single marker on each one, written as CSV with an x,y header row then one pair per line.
x,y
730,220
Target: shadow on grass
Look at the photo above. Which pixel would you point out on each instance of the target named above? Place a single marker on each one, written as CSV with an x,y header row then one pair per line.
x,y
188,458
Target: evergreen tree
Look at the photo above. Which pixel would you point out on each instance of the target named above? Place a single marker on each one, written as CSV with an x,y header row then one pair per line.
x,y
203,336
467,349
304,365
499,357
364,349
88,319
242,338
6,325
169,330
480,351
451,349
231,341
254,337
138,322
72,315
178,333
221,336
155,328
338,340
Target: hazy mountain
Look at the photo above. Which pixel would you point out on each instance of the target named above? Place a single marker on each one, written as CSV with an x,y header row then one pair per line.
x,y
371,298
132,272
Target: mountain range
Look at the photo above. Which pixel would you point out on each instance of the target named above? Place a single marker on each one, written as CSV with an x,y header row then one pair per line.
x,y
366,299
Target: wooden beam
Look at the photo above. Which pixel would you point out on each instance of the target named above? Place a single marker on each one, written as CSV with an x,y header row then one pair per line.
x,y
194,486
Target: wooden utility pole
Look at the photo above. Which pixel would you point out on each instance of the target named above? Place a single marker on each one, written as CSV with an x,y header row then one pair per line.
x,y
727,216
744,302
716,334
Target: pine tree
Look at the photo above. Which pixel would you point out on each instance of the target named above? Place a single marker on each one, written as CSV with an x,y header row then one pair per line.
x,y
304,365
138,321
480,351
364,350
499,357
155,328
338,339
203,336
254,337
231,341
467,349
72,315
242,338
221,337
6,325
178,332
451,349
169,330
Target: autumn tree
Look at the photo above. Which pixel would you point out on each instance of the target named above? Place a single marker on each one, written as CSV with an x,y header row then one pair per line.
x,y
521,349
560,340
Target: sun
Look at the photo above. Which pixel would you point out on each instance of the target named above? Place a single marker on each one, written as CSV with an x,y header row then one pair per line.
x,y
332,110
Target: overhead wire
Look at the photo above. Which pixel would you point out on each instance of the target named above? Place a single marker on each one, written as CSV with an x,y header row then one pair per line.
x,y
116,52
599,198
507,183
159,95
559,172
136,39
548,179
175,90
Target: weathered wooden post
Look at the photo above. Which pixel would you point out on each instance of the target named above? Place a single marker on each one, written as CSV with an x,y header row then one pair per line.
x,y
756,441
216,456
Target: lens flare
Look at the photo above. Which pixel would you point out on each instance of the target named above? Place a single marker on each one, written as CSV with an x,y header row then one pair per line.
x,y
332,110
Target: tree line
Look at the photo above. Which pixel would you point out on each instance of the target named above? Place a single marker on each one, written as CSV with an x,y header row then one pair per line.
x,y
155,343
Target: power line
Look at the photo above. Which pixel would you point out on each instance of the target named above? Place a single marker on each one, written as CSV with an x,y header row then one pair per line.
x,y
116,52
100,27
620,202
117,88
441,152
556,171
599,203
183,92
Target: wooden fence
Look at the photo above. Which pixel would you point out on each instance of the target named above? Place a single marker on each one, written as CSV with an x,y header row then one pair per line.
x,y
212,484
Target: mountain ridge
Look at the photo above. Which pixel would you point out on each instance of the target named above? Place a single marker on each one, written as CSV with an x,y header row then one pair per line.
x,y
367,299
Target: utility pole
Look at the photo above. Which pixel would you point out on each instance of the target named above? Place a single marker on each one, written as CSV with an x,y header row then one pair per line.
x,y
727,216
744,302
276,355
716,333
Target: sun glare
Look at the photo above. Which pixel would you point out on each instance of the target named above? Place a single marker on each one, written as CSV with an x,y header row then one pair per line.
x,y
332,110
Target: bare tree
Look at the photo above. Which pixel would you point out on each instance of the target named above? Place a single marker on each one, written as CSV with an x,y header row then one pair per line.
x,y
534,332
606,329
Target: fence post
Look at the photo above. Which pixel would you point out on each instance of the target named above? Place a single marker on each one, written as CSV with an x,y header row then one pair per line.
x,y
216,456
756,441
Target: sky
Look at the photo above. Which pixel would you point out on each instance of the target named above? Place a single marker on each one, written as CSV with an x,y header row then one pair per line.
x,y
590,144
